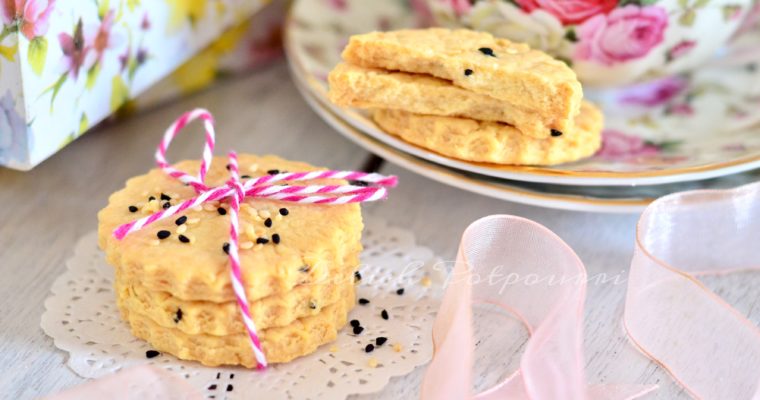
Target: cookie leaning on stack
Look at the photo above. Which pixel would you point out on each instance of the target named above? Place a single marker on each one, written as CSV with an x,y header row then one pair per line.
x,y
172,277
441,89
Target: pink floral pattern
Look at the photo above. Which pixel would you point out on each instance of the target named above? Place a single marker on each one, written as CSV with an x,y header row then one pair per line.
x,y
75,51
619,146
570,12
31,16
627,33
681,49
654,93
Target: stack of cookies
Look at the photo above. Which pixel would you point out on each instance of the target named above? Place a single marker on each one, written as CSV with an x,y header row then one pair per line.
x,y
468,95
173,282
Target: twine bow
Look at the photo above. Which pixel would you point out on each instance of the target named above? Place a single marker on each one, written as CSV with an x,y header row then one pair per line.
x,y
260,187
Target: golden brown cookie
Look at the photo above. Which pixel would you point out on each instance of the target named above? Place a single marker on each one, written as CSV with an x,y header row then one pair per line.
x,y
314,240
280,344
545,88
373,88
196,317
492,142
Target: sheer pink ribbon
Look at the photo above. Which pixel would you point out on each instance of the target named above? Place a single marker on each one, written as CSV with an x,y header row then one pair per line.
x,y
706,345
670,315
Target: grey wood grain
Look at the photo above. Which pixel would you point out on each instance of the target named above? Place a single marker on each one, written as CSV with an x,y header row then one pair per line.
x,y
43,212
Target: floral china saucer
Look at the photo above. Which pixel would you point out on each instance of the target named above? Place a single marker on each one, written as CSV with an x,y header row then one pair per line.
x,y
695,126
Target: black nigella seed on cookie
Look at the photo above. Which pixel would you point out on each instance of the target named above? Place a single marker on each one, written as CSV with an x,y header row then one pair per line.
x,y
276,238
268,222
363,301
381,340
313,304
166,205
181,220
556,133
228,167
262,240
133,209
284,211
245,177
358,330
165,197
369,348
273,171
151,198
221,211
304,268
152,354
184,239
163,234
178,316
357,276
229,387
385,315
487,51
400,291
355,322
226,248
467,72
212,387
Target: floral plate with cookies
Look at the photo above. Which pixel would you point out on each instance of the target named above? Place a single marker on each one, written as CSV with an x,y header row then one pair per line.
x,y
607,199
690,127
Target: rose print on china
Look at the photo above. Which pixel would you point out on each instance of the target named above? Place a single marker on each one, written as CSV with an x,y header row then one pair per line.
x,y
570,11
609,43
625,34
655,93
619,146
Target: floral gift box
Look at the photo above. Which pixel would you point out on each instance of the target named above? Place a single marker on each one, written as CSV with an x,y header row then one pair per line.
x,y
67,64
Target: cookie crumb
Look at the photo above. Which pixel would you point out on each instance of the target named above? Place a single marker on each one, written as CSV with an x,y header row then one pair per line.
x,y
181,229
333,349
397,347
155,242
372,363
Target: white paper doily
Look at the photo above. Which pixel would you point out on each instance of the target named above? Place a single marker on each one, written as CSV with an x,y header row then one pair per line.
x,y
82,318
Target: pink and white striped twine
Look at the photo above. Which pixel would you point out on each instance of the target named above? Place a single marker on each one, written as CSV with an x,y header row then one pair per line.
x,y
262,187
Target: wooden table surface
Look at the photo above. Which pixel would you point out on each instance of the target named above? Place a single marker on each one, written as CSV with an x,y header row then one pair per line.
x,y
44,212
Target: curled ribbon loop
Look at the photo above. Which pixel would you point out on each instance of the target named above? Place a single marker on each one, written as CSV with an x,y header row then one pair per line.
x,y
374,188
551,309
705,344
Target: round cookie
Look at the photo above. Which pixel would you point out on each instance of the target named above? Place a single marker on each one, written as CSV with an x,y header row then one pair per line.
x,y
492,142
314,240
197,317
281,344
